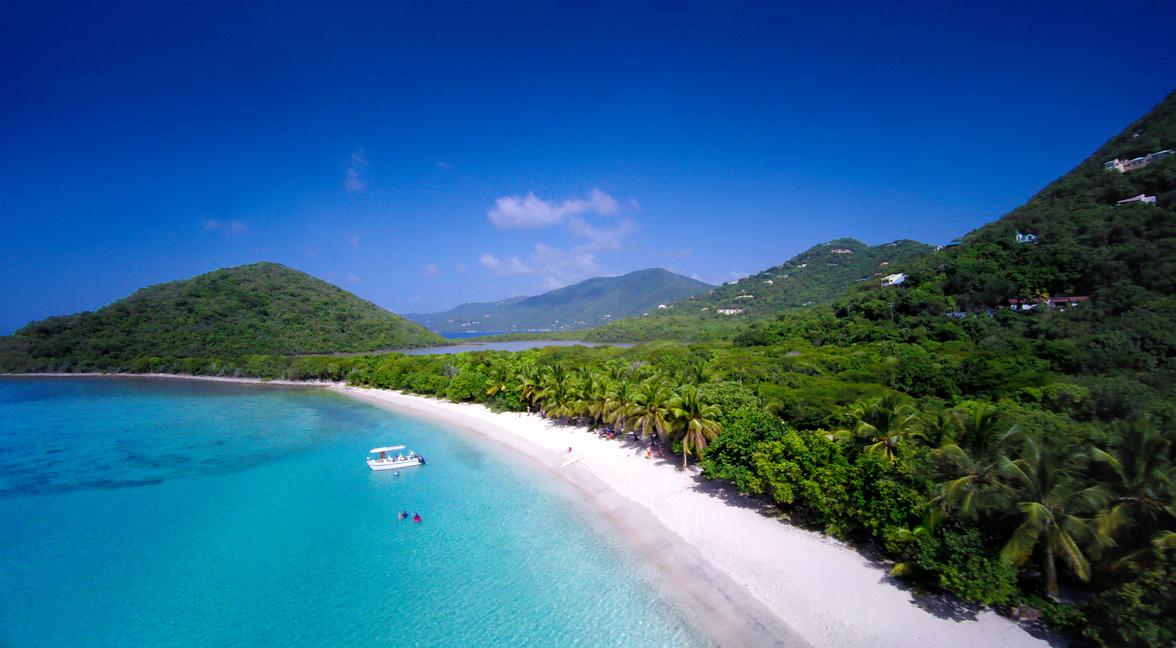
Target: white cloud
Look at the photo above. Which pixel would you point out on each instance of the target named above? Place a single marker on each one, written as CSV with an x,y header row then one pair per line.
x,y
507,266
460,267
444,166
564,266
353,240
600,240
232,226
551,283
352,278
356,165
557,267
429,270
532,212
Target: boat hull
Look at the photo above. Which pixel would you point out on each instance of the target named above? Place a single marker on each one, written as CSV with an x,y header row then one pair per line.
x,y
389,464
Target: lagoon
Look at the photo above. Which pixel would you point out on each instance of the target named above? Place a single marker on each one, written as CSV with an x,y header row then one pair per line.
x,y
185,513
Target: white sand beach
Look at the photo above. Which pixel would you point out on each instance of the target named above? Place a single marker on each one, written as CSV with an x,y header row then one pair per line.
x,y
754,579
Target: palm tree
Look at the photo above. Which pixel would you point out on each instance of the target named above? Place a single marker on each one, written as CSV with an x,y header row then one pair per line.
x,y
1051,499
599,397
616,369
558,393
621,404
695,420
884,424
771,406
586,390
501,378
651,409
529,383
977,464
1144,494
701,372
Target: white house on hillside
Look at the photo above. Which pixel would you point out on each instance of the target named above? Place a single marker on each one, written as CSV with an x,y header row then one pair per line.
x,y
1123,166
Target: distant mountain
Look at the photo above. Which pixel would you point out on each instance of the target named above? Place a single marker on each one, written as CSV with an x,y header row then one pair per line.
x,y
815,276
263,308
579,306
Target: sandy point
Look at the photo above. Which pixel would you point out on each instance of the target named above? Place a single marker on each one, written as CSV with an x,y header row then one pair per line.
x,y
749,578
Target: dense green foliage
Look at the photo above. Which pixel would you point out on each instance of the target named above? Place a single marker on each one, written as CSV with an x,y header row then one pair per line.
x,y
1002,455
572,308
253,309
815,276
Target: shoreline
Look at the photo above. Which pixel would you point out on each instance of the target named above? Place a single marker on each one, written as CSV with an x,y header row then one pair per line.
x,y
717,605
746,579
763,581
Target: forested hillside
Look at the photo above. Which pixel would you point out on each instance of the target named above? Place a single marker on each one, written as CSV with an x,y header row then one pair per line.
x,y
812,277
263,308
1020,459
583,305
1083,244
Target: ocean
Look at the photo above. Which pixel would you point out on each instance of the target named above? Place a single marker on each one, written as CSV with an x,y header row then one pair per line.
x,y
162,512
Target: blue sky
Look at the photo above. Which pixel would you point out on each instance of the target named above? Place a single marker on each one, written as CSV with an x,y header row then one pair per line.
x,y
426,154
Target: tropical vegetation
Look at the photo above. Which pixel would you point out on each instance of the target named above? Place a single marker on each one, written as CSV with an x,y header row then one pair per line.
x,y
1016,458
261,308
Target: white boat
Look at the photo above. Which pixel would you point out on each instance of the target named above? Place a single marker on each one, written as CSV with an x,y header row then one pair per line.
x,y
391,457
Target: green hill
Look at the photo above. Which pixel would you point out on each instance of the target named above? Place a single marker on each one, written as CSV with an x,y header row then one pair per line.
x,y
1085,241
1072,239
262,308
579,306
815,276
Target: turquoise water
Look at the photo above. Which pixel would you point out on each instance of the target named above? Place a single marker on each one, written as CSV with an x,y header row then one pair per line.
x,y
139,512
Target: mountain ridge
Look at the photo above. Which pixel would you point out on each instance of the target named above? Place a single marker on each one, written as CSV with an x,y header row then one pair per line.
x,y
578,306
817,275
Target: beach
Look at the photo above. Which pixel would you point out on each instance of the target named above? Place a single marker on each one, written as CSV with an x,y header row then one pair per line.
x,y
746,576
750,578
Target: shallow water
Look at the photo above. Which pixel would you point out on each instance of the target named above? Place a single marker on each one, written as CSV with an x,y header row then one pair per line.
x,y
185,513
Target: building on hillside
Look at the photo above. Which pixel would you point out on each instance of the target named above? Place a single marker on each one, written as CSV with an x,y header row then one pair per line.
x,y
893,280
729,311
1026,238
1060,303
1122,166
842,251
1140,198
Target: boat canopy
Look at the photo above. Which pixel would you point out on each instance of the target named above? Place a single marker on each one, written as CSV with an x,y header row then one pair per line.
x,y
388,449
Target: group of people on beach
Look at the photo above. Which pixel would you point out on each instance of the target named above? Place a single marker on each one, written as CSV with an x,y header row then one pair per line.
x,y
612,434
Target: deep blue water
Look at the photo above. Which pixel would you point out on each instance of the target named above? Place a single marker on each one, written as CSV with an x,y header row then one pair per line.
x,y
138,512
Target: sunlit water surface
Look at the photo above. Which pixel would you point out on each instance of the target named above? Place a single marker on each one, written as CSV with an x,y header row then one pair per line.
x,y
139,512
